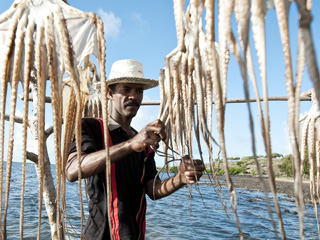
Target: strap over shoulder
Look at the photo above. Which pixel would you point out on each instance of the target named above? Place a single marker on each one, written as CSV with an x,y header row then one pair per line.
x,y
102,131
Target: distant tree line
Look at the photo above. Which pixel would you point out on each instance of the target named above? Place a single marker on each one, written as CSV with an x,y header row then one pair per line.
x,y
285,165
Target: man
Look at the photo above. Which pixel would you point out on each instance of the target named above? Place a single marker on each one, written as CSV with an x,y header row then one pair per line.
x,y
133,170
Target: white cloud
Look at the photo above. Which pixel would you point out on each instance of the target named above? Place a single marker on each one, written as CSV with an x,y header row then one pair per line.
x,y
136,17
112,23
139,22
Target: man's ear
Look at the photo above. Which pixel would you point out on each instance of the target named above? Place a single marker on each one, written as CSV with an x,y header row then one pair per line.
x,y
109,93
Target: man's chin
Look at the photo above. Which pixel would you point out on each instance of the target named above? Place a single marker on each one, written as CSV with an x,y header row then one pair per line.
x,y
131,114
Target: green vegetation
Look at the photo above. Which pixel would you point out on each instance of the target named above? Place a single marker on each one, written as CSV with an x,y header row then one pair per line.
x,y
232,171
241,163
174,169
221,172
229,159
282,164
236,170
208,170
254,173
276,155
286,165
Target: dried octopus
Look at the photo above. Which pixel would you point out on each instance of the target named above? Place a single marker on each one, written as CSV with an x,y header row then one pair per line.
x,y
49,38
196,71
310,147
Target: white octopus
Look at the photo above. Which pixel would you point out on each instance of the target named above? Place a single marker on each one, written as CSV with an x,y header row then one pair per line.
x,y
51,39
199,66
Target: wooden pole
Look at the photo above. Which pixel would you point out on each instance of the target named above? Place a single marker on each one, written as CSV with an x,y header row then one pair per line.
x,y
237,100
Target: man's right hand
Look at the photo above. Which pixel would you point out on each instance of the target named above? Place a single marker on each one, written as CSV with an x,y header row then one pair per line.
x,y
150,135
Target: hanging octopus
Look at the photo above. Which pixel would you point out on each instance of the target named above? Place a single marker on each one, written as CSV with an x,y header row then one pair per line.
x,y
310,147
196,72
46,40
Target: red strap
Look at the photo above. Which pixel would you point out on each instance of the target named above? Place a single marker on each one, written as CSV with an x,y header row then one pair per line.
x,y
114,198
102,131
150,150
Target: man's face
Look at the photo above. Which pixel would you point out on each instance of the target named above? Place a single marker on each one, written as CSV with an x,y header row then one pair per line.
x,y
127,98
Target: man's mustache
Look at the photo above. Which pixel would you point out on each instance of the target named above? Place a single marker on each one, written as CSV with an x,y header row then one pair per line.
x,y
132,103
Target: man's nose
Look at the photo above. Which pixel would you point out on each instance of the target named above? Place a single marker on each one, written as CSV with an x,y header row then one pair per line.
x,y
133,94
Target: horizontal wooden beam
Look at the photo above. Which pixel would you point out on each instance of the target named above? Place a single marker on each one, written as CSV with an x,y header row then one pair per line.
x,y
236,100
229,100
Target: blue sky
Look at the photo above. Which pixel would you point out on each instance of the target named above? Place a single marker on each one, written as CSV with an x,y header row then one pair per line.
x,y
145,31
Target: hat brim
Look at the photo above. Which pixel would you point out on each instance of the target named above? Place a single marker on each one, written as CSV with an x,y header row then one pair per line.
x,y
146,82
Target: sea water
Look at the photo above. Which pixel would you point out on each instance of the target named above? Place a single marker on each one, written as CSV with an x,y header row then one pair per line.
x,y
189,213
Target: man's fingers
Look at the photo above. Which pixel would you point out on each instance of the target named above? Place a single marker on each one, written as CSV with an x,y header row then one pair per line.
x,y
192,176
158,128
152,140
154,137
155,146
195,165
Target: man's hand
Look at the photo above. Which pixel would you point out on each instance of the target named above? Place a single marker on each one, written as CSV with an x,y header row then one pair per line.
x,y
150,135
190,170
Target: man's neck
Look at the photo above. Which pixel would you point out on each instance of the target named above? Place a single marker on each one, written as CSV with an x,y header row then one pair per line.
x,y
125,123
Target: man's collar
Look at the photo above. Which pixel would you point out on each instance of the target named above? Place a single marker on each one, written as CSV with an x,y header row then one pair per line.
x,y
112,124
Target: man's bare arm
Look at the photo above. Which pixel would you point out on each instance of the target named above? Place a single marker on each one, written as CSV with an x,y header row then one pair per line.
x,y
190,172
94,163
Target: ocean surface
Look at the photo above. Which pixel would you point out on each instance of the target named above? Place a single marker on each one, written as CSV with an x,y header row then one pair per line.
x,y
189,213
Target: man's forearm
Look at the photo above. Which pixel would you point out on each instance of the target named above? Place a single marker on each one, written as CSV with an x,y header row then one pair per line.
x,y
94,163
165,187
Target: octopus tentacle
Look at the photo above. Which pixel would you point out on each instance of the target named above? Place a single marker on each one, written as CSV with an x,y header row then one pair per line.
x,y
317,148
318,184
235,49
298,162
183,77
258,31
299,74
69,64
104,101
311,153
41,83
292,120
309,4
178,6
14,87
176,95
26,81
242,12
304,22
4,85
50,43
225,12
209,37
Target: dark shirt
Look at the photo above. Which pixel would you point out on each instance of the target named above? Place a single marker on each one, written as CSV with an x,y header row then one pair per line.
x,y
129,177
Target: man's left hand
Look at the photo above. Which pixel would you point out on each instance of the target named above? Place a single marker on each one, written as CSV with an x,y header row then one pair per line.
x,y
190,170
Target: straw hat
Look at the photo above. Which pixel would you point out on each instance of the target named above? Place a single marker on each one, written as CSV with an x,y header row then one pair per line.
x,y
129,71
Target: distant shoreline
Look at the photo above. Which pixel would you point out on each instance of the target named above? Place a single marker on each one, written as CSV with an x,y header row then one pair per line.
x,y
283,185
